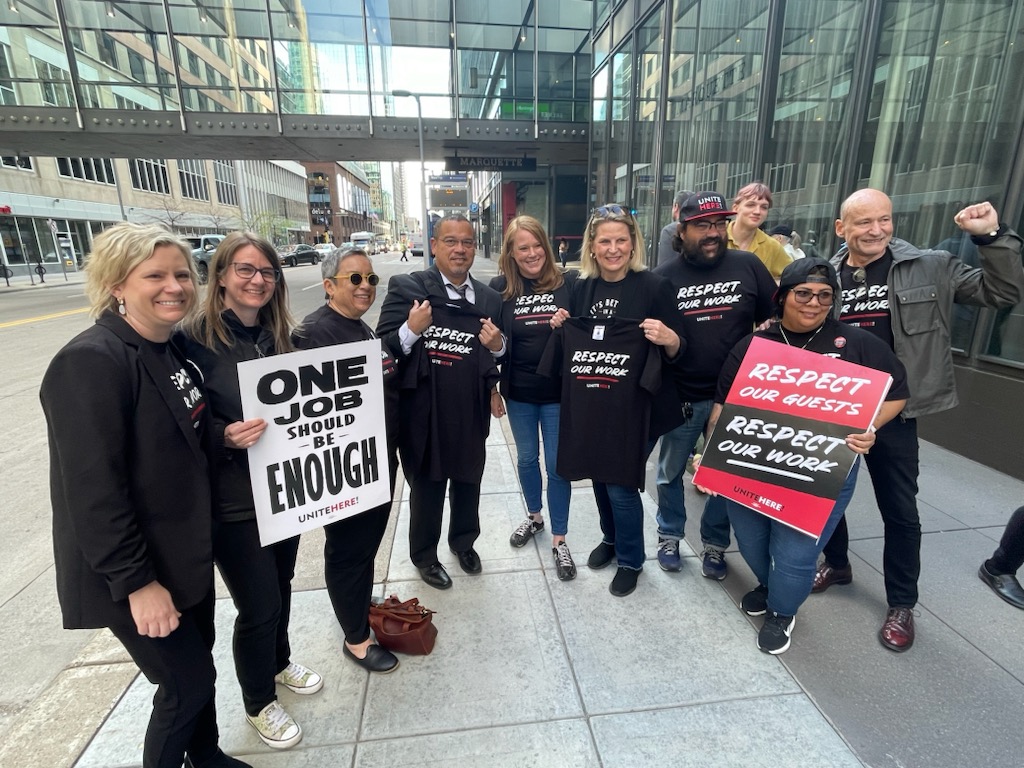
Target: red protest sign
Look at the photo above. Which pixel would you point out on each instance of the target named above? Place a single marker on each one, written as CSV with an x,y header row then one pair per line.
x,y
779,445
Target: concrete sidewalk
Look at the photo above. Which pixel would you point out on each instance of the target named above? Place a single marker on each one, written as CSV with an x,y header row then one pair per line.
x,y
531,671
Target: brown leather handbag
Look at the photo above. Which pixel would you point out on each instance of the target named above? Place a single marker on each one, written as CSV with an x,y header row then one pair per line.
x,y
402,626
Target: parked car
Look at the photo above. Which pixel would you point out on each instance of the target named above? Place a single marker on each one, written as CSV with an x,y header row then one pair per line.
x,y
203,247
293,255
324,249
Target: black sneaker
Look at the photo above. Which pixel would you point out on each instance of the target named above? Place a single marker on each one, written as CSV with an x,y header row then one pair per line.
x,y
526,531
564,566
624,581
603,554
713,563
774,635
755,602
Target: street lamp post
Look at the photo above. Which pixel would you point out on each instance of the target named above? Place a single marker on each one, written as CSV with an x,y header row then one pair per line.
x,y
423,173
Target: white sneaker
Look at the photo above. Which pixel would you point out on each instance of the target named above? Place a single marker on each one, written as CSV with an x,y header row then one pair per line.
x,y
299,679
276,727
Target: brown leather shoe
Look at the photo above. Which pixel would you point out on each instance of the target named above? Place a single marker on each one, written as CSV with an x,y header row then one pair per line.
x,y
827,575
897,633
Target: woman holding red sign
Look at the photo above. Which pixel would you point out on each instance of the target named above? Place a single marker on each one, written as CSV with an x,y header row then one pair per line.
x,y
782,558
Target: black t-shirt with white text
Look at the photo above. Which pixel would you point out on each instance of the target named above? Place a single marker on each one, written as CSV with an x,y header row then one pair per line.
x,y
609,373
718,307
866,304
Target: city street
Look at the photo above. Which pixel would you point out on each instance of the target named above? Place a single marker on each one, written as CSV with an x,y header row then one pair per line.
x,y
35,322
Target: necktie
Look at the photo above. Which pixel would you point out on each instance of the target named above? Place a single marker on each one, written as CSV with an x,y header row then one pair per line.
x,y
460,289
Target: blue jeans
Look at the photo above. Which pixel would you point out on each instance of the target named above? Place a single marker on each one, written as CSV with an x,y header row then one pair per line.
x,y
676,447
622,520
782,558
524,419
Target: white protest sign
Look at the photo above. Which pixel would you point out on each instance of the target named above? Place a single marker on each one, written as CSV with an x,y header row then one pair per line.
x,y
323,456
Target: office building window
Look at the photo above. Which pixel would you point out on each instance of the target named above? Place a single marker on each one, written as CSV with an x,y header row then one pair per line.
x,y
97,169
192,177
225,181
55,84
7,92
150,176
22,163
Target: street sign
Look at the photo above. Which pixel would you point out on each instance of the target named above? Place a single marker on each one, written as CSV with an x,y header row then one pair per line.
x,y
474,207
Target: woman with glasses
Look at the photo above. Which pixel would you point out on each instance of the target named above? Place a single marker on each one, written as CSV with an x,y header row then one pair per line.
x,y
245,316
351,544
641,311
782,558
532,289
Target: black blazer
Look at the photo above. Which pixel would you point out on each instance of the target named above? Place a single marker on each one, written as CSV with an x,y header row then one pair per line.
x,y
129,476
417,286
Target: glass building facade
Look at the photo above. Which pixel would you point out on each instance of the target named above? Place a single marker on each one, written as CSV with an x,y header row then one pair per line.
x,y
818,98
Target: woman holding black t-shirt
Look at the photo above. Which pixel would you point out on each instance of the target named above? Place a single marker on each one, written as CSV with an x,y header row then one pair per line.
x,y
782,558
617,286
532,289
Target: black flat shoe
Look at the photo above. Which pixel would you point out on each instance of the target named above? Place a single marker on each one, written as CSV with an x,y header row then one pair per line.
x,y
436,576
219,760
469,561
624,582
1004,585
377,659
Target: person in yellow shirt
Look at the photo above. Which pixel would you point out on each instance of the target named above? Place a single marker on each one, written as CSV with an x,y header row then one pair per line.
x,y
751,205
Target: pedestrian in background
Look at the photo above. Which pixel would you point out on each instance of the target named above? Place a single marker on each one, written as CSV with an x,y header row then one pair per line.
x,y
131,449
752,204
245,316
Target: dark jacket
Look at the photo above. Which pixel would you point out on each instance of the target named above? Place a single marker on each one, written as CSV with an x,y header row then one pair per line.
x,y
233,499
417,286
923,285
645,294
129,476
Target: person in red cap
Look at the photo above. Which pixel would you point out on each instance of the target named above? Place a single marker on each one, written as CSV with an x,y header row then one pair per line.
x,y
721,294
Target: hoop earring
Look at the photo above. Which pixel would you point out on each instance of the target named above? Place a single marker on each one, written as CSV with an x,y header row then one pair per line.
x,y
120,307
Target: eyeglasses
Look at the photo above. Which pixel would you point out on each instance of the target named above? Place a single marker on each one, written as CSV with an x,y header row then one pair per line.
x,y
356,278
248,272
451,242
702,225
804,296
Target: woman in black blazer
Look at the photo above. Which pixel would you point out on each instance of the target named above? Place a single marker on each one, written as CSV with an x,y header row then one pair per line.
x,y
244,317
130,448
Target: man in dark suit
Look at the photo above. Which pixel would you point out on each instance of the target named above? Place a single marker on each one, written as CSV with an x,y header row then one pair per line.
x,y
412,309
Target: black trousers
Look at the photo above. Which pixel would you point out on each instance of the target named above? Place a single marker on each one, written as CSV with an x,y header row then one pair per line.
x,y
426,509
260,582
184,717
349,552
893,464
1009,557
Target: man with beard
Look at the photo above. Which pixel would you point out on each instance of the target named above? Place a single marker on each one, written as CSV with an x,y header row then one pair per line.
x,y
721,294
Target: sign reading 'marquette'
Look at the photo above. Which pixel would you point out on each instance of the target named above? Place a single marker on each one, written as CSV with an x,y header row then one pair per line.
x,y
323,456
779,446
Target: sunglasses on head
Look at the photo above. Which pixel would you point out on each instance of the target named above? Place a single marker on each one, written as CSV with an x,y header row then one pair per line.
x,y
356,278
607,211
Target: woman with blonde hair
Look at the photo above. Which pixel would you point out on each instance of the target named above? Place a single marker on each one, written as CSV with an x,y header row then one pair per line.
x,y
245,316
533,289
641,310
131,449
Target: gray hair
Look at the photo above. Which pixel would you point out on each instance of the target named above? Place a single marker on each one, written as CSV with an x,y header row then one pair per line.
x,y
331,262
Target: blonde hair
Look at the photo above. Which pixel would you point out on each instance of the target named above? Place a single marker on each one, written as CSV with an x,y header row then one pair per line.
x,y
117,251
602,215
550,279
208,326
